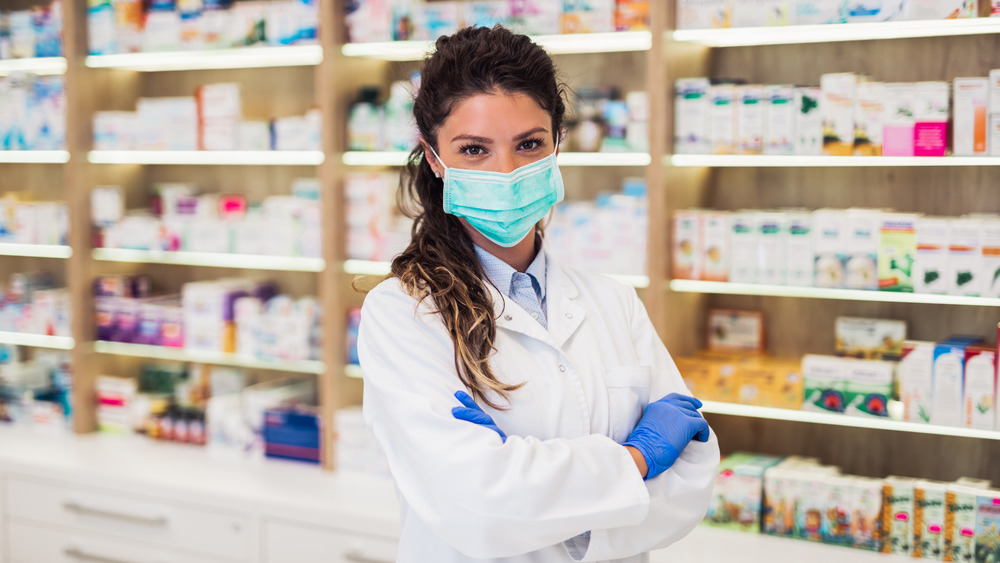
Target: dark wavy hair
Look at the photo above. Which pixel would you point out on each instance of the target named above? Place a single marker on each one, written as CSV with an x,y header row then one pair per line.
x,y
440,262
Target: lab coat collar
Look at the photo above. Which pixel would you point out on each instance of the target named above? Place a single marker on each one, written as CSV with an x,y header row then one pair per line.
x,y
564,314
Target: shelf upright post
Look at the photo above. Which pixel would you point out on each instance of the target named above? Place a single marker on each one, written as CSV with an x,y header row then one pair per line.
x,y
79,266
656,200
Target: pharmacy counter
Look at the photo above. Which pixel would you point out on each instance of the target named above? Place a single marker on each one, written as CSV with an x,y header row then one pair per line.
x,y
128,499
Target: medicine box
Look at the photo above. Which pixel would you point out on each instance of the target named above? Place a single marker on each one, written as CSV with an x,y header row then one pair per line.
x,y
743,247
990,267
931,113
970,115
961,507
868,387
980,394
916,380
941,9
772,236
897,516
994,133
808,121
715,246
898,127
867,504
738,492
869,115
761,13
731,330
839,93
824,379
687,245
994,92
818,12
988,526
897,252
799,255
836,526
829,232
966,257
779,119
863,237
704,14
860,11
770,382
750,118
722,119
932,269
949,382
691,108
929,520
872,339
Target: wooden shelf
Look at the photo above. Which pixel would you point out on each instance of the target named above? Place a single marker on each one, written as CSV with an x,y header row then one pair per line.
x,y
35,250
797,34
37,340
35,65
34,157
398,158
726,288
217,358
220,158
212,259
844,420
566,44
248,57
796,161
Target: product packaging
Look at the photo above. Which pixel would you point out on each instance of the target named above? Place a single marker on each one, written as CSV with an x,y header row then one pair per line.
x,y
990,269
872,339
949,381
799,254
536,17
970,115
824,380
929,520
836,527
772,236
632,15
779,119
818,12
761,13
808,121
737,498
731,330
770,382
860,11
691,109
961,508
980,393
687,245
916,380
994,134
898,131
750,118
941,9
779,501
704,14
839,94
932,268
897,252
931,114
219,116
588,16
868,387
743,247
966,256
722,119
863,237
830,235
865,521
897,515
714,246
988,526
870,116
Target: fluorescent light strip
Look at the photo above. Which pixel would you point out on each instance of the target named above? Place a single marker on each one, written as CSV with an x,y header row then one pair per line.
x,y
249,57
34,157
763,161
212,259
37,340
635,281
748,36
398,158
725,288
563,44
40,65
353,370
238,158
366,267
844,420
182,355
35,250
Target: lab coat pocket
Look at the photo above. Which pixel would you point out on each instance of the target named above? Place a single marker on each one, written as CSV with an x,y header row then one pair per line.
x,y
628,395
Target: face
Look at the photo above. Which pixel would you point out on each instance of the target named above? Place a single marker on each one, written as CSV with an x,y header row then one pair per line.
x,y
493,132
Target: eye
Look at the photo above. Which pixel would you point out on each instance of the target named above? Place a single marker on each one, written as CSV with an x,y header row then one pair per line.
x,y
472,150
530,144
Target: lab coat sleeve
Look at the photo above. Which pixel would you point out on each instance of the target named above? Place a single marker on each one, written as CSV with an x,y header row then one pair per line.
x,y
484,497
680,495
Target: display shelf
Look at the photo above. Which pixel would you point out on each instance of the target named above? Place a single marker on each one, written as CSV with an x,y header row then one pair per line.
x,y
353,370
213,259
35,65
373,268
34,157
37,340
218,358
833,419
398,158
238,158
785,35
726,288
564,44
247,57
798,161
35,250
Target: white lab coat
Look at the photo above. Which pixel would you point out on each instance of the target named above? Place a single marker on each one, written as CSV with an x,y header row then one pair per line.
x,y
467,496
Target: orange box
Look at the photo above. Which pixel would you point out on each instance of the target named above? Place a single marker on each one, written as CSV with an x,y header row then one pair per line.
x,y
770,382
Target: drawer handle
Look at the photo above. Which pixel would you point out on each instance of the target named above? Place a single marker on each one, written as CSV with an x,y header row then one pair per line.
x,y
79,554
358,556
134,518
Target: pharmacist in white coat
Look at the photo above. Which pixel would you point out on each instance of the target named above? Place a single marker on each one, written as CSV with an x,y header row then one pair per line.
x,y
529,412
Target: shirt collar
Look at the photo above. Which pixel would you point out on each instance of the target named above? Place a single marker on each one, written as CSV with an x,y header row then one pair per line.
x,y
501,273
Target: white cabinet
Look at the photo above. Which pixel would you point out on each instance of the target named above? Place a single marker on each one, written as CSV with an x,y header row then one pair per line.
x,y
38,544
48,503
286,542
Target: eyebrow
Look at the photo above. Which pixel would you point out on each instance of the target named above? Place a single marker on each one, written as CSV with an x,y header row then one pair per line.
x,y
486,140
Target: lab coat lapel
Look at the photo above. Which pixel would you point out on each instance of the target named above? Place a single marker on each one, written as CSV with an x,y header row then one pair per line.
x,y
511,316
565,313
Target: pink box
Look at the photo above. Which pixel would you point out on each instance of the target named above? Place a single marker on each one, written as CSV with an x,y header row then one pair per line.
x,y
898,140
930,138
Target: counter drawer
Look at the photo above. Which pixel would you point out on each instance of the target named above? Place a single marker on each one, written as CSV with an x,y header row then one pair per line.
x,y
131,517
285,542
31,544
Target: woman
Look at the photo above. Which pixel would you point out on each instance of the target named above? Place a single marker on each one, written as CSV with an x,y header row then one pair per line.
x,y
510,394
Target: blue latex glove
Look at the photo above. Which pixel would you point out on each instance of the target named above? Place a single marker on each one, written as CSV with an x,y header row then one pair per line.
x,y
471,412
665,429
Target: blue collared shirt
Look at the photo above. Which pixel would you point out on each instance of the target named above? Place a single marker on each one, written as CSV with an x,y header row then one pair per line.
x,y
527,289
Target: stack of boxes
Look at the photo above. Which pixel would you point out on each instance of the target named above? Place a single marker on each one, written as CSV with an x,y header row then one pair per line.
x,y
375,228
700,14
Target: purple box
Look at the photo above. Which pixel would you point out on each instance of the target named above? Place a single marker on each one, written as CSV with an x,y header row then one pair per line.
x,y
126,324
150,318
104,316
172,325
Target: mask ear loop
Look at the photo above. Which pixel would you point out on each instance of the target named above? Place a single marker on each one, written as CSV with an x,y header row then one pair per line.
x,y
441,162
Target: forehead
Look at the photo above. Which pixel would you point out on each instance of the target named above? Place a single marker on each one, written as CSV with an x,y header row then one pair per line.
x,y
497,116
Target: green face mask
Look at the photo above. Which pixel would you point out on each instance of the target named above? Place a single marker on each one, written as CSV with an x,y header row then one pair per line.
x,y
503,207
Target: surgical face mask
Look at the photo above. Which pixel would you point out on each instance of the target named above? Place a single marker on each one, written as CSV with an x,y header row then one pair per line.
x,y
503,207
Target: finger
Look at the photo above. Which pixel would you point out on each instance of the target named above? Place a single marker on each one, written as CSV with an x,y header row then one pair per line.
x,y
703,431
471,415
466,400
678,398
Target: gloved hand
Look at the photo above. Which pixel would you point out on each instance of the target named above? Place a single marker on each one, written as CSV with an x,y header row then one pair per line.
x,y
665,429
473,413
